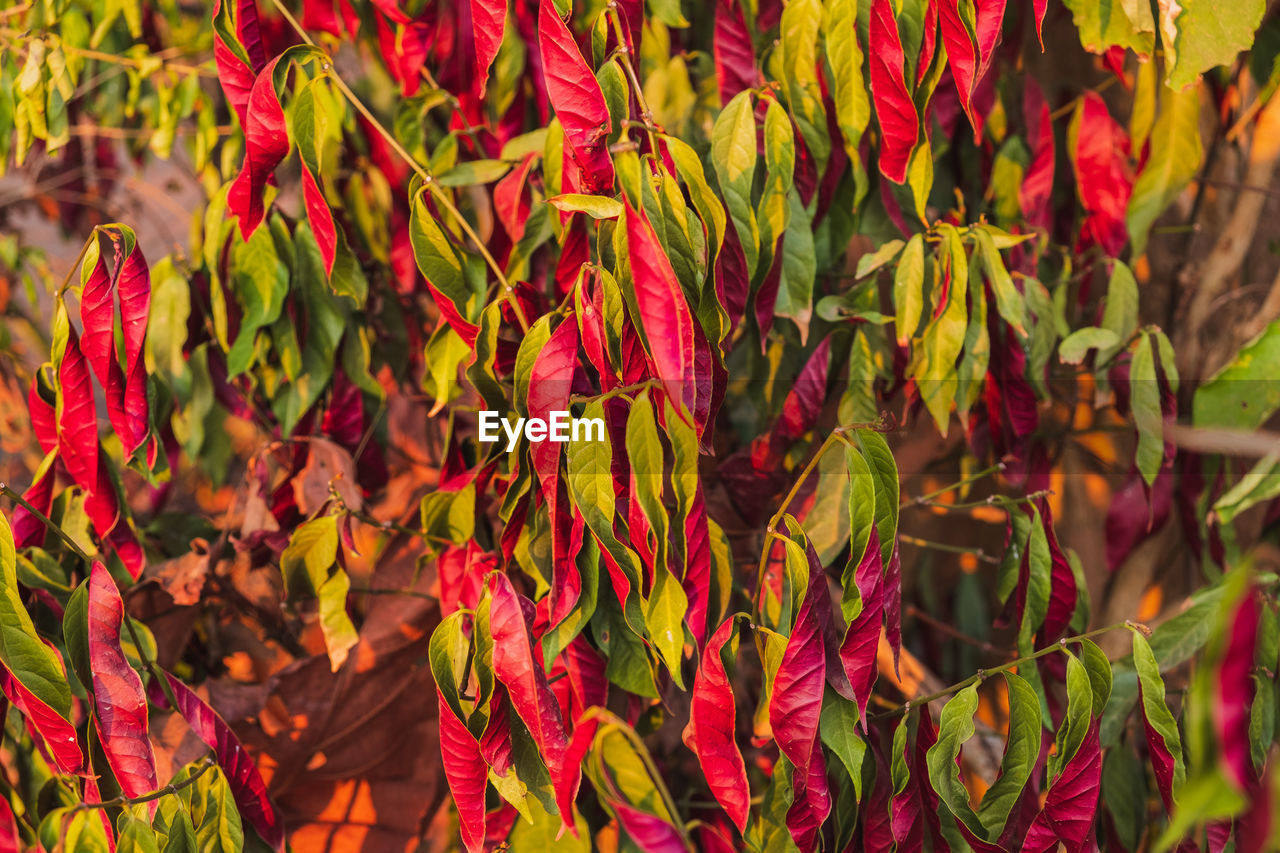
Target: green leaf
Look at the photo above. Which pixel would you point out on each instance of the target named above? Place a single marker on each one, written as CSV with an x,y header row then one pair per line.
x,y
873,261
214,813
733,153
838,728
853,107
543,832
313,550
474,173
884,476
1020,753
1244,394
1106,23
1076,345
1176,154
955,726
1121,312
260,280
799,268
1261,483
1205,34
1144,398
1009,301
1124,795
1155,707
908,288
31,662
134,832
595,206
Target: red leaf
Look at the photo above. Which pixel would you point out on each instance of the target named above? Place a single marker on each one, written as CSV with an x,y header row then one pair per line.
x,y
27,529
892,603
247,787
266,143
862,639
235,76
55,736
118,696
1037,184
10,839
518,669
78,423
803,404
735,55
794,709
1104,177
990,18
488,20
1040,6
550,385
1233,692
962,57
895,111
1062,583
467,774
1072,802
576,96
696,582
664,314
320,217
712,722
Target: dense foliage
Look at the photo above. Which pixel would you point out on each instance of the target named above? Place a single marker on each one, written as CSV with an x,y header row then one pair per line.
x,y
263,583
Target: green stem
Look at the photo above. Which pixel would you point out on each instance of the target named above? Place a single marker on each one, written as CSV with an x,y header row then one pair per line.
x,y
982,674
950,549
645,112
44,519
428,180
972,478
167,790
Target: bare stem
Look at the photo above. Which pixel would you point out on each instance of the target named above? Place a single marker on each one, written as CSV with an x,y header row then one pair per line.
x,y
972,478
982,674
167,790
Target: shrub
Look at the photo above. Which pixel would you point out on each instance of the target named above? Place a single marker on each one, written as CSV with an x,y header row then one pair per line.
x,y
774,252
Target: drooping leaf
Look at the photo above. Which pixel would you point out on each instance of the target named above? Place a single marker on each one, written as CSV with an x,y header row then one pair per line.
x,y
895,111
577,99
242,776
119,700
664,315
712,723
488,21
1176,154
1164,744
1200,34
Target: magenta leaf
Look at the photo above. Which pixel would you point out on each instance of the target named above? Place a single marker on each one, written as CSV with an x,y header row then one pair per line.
x,y
266,143
962,53
1233,692
55,735
735,55
118,697
862,639
320,217
246,783
1072,802
515,665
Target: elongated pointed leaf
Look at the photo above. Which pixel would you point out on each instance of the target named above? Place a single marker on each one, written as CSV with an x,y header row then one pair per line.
x,y
247,786
664,314
712,723
266,143
488,22
734,53
1164,744
895,111
577,99
119,700
467,774
515,665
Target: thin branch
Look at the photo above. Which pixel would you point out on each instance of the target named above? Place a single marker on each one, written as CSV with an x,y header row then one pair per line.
x,y
972,478
950,549
982,674
123,801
